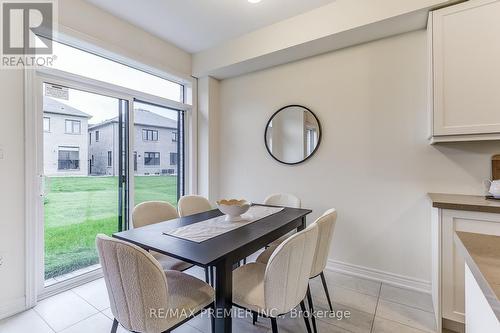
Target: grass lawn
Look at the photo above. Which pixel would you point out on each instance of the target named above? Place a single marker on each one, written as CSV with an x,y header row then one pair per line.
x,y
78,208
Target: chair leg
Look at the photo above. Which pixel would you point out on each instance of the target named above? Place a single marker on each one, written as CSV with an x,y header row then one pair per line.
x,y
212,279
115,326
254,317
306,321
207,278
311,307
212,322
326,290
274,325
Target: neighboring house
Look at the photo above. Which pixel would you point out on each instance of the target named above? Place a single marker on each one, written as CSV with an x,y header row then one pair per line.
x,y
155,143
65,139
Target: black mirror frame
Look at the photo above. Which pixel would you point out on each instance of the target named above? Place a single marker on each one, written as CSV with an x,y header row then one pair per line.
x,y
319,136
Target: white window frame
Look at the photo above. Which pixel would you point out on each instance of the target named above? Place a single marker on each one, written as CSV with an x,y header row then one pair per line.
x,y
72,122
46,130
34,79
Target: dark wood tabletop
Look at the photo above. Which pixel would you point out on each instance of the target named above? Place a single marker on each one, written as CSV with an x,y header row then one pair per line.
x,y
221,252
259,233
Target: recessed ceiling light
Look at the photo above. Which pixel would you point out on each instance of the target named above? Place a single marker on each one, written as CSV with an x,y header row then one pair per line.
x,y
254,1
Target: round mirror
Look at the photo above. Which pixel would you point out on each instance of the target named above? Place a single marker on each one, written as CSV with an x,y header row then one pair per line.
x,y
293,134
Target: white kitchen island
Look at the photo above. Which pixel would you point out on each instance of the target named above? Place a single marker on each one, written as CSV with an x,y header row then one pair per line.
x,y
482,281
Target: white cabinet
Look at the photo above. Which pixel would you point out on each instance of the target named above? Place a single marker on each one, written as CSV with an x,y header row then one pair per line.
x,y
465,71
448,280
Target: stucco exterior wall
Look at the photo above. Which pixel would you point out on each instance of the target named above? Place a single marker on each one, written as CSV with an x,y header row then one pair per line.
x,y
108,141
57,137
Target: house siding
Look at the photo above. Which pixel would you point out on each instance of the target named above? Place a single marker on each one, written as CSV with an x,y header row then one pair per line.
x,y
57,137
108,141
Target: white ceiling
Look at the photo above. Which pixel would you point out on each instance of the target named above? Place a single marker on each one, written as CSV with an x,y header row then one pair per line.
x,y
195,25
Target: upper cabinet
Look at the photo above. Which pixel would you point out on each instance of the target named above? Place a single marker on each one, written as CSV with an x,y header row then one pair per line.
x,y
465,71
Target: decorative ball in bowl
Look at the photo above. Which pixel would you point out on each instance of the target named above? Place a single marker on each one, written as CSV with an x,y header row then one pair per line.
x,y
233,209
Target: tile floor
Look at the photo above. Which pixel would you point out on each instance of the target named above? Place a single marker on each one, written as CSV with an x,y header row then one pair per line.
x,y
374,307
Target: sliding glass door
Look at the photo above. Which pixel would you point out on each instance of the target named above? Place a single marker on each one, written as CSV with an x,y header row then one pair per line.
x,y
103,153
85,183
106,138
158,153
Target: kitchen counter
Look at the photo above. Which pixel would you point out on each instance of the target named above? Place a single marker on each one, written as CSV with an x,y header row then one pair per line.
x,y
474,203
482,255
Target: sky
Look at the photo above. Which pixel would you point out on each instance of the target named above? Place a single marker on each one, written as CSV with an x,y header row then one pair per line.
x,y
102,107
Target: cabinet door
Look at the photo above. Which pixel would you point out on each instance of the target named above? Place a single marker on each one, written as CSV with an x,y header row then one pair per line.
x,y
453,277
466,68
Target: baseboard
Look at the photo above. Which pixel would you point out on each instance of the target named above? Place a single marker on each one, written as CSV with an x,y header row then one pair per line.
x,y
11,308
380,276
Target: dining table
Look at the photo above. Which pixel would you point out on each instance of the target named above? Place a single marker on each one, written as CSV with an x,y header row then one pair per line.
x,y
223,251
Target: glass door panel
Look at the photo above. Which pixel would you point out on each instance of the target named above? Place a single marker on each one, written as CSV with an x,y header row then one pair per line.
x,y
83,147
158,153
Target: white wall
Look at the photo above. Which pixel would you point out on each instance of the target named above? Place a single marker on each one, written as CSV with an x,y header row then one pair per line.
x,y
208,149
105,30
374,163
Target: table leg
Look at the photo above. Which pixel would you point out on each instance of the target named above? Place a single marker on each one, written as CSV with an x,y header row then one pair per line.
x,y
223,296
303,225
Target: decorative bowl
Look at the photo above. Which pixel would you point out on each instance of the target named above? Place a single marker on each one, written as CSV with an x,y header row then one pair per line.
x,y
233,209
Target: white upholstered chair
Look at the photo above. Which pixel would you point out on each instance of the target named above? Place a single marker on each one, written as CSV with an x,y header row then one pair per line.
x,y
277,287
151,212
143,297
283,200
326,226
193,204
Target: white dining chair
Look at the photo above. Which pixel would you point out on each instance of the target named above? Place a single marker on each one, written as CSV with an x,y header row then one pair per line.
x,y
143,297
326,225
193,204
276,288
151,212
282,200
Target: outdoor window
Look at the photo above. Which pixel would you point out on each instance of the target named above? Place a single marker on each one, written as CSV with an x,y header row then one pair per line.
x,y
151,158
73,126
173,158
110,158
90,138
46,124
69,158
96,136
76,61
174,136
149,135
92,161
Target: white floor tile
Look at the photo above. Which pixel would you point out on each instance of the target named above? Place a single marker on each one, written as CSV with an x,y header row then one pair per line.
x,y
408,297
186,328
240,325
387,326
342,296
64,310
297,325
406,315
360,285
107,312
95,293
197,272
28,321
97,323
358,321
